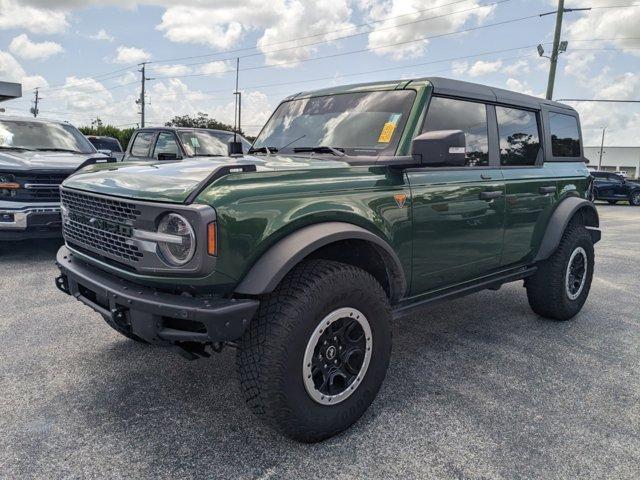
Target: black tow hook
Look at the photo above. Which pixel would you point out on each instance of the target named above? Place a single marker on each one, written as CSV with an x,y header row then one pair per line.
x,y
63,284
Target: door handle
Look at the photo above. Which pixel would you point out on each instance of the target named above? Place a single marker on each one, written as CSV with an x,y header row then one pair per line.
x,y
490,195
545,190
485,176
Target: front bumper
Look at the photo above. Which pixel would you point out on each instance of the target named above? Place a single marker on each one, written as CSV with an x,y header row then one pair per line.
x,y
29,221
158,317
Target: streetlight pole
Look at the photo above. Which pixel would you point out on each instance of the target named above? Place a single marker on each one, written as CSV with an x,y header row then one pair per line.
x,y
601,148
554,53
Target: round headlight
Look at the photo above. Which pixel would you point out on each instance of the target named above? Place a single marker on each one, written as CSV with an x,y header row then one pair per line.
x,y
177,253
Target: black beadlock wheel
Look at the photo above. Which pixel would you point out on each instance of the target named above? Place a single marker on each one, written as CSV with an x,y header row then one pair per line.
x,y
560,286
634,198
123,331
315,355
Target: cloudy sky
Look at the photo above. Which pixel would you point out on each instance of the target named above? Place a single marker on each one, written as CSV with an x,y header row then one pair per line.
x,y
83,54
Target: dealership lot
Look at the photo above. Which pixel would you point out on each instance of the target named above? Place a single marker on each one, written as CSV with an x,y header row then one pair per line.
x,y
477,388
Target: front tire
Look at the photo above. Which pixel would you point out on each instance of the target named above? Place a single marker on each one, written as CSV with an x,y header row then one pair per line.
x,y
561,285
634,198
314,357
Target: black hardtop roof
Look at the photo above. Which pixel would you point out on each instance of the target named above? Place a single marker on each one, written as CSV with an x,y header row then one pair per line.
x,y
443,86
459,88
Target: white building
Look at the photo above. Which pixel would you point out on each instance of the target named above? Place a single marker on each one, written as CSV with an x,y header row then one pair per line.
x,y
615,159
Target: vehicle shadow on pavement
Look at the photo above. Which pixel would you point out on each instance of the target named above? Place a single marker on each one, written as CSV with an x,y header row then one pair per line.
x,y
29,250
466,376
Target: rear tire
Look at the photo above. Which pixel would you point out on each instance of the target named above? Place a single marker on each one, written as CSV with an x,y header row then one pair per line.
x,y
560,286
123,331
291,373
634,198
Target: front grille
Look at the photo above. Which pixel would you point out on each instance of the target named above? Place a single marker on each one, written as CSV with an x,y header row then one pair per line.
x,y
101,224
38,187
117,211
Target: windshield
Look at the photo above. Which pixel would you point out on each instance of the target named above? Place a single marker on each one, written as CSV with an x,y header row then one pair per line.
x,y
366,123
42,136
206,143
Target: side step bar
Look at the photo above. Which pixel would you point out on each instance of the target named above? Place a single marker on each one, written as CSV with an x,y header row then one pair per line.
x,y
494,281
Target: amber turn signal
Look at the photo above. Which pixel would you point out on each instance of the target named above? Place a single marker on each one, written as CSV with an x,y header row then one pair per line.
x,y
10,185
212,247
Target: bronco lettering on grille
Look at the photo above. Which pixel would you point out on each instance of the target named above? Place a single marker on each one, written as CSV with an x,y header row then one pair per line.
x,y
100,224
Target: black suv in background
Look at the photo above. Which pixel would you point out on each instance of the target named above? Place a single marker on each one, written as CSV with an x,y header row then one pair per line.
x,y
108,145
615,188
176,143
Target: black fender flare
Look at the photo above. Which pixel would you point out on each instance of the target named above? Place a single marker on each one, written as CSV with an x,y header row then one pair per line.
x,y
559,220
279,259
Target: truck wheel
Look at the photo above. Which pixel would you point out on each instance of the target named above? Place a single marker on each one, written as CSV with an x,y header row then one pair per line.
x,y
312,360
123,331
634,199
561,284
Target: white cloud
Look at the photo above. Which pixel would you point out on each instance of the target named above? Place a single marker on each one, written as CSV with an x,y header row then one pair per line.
x,y
171,70
128,77
459,68
443,20
606,24
130,55
84,95
102,35
14,14
517,68
214,68
518,86
21,46
481,67
12,71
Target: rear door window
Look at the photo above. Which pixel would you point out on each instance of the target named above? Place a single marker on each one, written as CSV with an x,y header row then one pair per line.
x,y
519,137
142,144
565,138
470,117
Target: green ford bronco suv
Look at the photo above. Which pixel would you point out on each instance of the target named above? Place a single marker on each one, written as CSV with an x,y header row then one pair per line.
x,y
355,205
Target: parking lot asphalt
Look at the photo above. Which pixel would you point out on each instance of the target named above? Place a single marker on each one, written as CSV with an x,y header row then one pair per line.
x,y
477,388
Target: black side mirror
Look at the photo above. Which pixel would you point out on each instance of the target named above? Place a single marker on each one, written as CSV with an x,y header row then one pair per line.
x,y
440,148
168,156
235,148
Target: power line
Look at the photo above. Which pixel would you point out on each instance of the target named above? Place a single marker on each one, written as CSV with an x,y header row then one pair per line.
x,y
363,50
309,36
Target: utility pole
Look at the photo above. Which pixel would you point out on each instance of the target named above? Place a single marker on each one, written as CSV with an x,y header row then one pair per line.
x,y
554,53
141,101
558,46
601,148
34,110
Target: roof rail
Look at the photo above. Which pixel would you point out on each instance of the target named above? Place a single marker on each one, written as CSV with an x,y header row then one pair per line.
x,y
219,172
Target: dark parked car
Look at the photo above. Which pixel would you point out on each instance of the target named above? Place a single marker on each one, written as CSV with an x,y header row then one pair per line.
x,y
176,143
35,157
615,188
108,145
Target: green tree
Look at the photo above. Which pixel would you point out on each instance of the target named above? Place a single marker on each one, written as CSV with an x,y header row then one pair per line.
x,y
100,129
201,120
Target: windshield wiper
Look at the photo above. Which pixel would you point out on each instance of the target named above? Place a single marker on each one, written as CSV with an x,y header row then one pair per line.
x,y
8,147
263,150
321,149
53,149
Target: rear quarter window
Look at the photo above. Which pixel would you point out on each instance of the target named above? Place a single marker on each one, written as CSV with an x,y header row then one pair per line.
x,y
565,137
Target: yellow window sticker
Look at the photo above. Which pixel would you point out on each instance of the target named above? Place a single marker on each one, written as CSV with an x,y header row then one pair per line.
x,y
389,127
387,132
